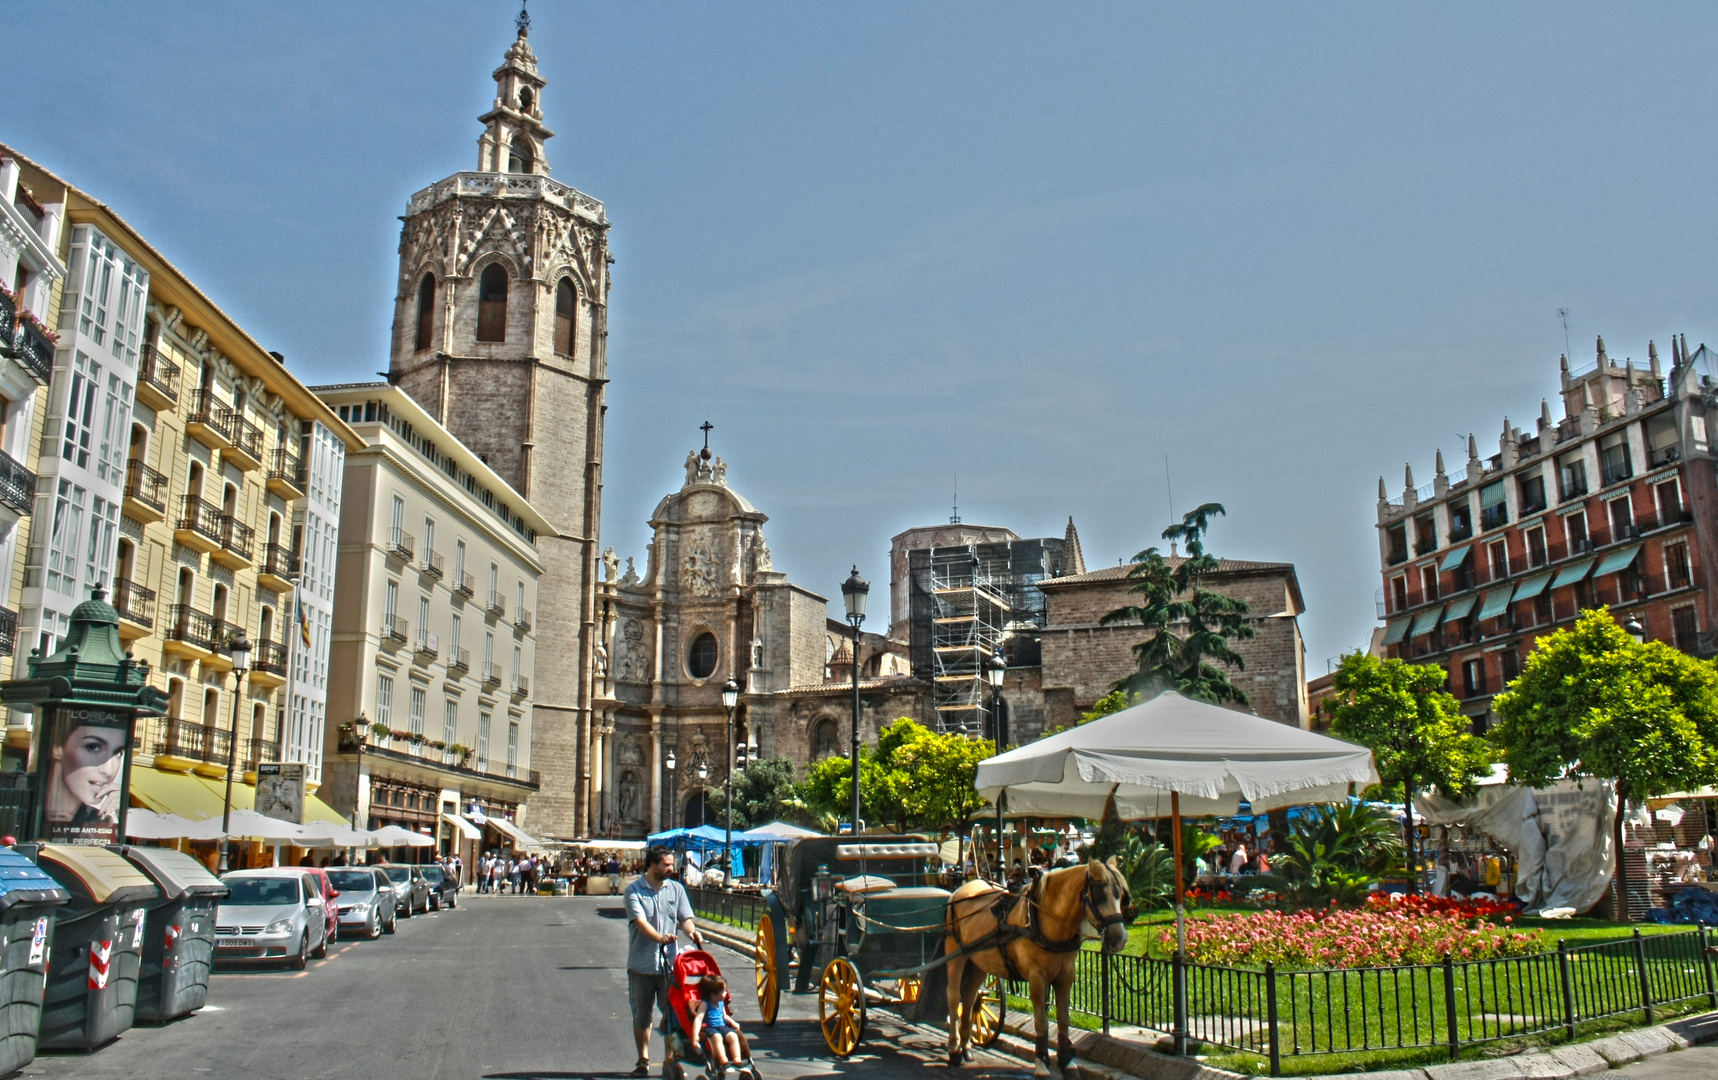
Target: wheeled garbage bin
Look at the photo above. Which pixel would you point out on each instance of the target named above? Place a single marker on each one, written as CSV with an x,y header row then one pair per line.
x,y
29,902
98,941
178,934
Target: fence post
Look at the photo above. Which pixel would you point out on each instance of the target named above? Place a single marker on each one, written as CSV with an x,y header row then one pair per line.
x,y
1645,985
1178,983
1706,965
1271,1017
1567,977
1450,1006
1104,978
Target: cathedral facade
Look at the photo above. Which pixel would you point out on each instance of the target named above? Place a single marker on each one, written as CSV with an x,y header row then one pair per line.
x,y
500,333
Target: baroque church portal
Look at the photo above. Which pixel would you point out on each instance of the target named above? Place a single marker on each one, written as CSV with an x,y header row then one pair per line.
x,y
500,333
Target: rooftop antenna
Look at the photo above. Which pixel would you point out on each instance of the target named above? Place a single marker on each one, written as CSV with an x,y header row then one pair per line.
x,y
523,22
706,427
1563,317
954,518
1170,488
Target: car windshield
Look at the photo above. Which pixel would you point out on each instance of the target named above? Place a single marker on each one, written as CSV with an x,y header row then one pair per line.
x,y
432,874
398,874
260,891
353,880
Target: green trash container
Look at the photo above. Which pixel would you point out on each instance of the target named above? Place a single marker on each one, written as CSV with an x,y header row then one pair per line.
x,y
98,942
178,934
29,901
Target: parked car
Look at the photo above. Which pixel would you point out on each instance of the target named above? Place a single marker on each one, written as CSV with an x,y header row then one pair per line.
x,y
411,891
366,900
443,887
272,914
329,894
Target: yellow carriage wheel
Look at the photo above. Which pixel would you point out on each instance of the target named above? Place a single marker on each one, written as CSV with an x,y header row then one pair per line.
x,y
769,983
841,1007
988,1013
909,989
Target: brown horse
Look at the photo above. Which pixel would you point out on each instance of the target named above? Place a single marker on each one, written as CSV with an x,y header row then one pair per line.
x,y
1034,935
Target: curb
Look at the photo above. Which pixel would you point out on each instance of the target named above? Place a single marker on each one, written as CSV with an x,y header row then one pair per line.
x,y
1105,1057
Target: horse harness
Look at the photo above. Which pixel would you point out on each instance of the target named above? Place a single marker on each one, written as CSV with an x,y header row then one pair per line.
x,y
1002,909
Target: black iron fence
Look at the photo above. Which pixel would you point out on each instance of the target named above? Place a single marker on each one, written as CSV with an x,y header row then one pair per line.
x,y
735,909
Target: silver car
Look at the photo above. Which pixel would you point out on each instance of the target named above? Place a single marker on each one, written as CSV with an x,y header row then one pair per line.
x,y
366,900
271,914
411,891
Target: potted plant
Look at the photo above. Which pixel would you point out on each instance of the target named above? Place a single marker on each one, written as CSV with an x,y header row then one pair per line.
x,y
380,732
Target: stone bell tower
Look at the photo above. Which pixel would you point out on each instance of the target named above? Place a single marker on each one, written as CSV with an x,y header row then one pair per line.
x,y
500,332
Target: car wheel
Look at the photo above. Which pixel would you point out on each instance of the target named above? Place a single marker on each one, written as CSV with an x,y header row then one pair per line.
x,y
453,901
374,930
393,921
406,912
435,903
297,962
321,951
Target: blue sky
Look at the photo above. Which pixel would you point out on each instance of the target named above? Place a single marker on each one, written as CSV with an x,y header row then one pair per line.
x,y
1045,246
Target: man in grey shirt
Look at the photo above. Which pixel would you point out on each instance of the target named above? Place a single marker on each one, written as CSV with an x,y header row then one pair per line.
x,y
656,907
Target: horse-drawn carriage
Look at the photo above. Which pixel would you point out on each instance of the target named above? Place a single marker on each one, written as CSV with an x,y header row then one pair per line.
x,y
867,919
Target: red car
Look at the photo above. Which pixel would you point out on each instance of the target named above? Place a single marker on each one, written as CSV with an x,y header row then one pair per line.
x,y
329,892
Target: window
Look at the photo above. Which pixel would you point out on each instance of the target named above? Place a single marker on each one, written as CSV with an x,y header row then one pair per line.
x,y
1572,476
701,657
426,310
113,289
458,562
397,522
1677,571
1493,505
825,739
1662,444
1536,547
453,640
1399,592
1684,628
63,542
1509,665
423,622
1396,544
1543,612
519,600
1531,489
1614,464
518,664
482,740
385,700
115,443
1499,552
488,652
494,580
512,746
492,303
1461,520
429,538
1575,528
450,721
566,310
80,410
417,716
1622,519
103,527
1425,534
1669,494
519,155
1428,583
1473,677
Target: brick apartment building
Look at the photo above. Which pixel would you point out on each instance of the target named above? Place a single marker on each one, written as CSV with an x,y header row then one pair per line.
x,y
1613,506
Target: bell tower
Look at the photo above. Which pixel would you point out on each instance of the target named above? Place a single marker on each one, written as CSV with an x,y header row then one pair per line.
x,y
500,332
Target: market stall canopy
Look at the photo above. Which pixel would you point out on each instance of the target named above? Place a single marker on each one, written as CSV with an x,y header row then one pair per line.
x,y
463,827
1212,756
777,831
522,840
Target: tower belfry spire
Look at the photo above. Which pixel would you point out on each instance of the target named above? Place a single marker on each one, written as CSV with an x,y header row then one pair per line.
x,y
513,132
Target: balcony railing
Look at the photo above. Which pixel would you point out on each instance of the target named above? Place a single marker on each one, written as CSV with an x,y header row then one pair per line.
x,y
522,618
8,631
204,519
432,562
8,321
462,584
271,657
247,437
237,537
497,604
428,645
288,468
17,485
262,750
393,628
134,602
32,349
402,543
207,410
521,686
280,561
459,660
199,628
159,373
492,677
1397,557
146,486
194,742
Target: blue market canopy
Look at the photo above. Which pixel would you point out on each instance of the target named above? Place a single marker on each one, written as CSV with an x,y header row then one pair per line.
x,y
703,838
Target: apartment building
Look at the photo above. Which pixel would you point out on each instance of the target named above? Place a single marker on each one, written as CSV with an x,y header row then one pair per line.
x,y
172,472
32,279
434,641
1612,506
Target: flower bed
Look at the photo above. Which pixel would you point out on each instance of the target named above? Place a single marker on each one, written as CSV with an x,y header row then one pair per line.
x,y
1373,936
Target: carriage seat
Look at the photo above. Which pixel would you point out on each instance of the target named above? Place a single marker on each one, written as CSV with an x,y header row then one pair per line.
x,y
865,883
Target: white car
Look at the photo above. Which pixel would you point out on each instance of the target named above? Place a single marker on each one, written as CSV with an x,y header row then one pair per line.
x,y
271,914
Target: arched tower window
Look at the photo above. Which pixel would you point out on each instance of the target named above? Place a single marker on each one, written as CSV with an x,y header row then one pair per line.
x,y
492,304
519,156
566,307
426,310
525,99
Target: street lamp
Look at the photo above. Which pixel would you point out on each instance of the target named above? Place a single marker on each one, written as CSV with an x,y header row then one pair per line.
x,y
703,793
994,669
240,651
1635,630
853,592
360,739
667,799
730,698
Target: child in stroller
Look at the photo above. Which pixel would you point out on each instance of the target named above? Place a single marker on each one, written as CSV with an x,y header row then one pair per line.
x,y
702,1029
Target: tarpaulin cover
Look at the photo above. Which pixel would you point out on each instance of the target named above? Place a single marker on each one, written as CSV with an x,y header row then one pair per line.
x,y
1459,608
1426,620
1496,603
1533,586
1617,560
1453,559
1397,629
1571,574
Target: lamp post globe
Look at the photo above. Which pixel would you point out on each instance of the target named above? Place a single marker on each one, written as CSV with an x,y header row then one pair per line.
x,y
730,698
239,650
853,594
1635,630
994,669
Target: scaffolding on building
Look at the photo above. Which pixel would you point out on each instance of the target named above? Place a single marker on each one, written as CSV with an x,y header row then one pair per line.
x,y
967,629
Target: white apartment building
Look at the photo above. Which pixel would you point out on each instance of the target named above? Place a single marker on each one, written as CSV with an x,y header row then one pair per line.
x,y
429,685
316,539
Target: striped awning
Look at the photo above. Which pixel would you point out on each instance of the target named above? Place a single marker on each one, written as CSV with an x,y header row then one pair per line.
x,y
1496,603
1453,559
1571,574
1459,608
1426,620
1532,587
1397,629
1617,560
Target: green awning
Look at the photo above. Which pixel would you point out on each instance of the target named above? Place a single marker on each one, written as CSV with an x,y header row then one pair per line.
x,y
1571,574
1453,559
1496,603
1397,629
1426,620
1532,587
1459,609
1618,560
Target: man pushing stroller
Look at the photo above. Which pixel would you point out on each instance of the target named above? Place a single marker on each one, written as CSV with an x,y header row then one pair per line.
x,y
657,908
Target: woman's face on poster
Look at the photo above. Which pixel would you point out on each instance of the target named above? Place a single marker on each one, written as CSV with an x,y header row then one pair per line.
x,y
89,762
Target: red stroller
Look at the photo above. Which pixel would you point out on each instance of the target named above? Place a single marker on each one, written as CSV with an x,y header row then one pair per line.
x,y
689,968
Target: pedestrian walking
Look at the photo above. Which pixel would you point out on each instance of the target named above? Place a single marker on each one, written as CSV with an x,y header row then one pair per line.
x,y
517,872
657,910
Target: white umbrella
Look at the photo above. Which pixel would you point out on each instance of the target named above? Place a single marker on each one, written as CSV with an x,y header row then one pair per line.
x,y
329,834
394,836
144,824
778,830
254,826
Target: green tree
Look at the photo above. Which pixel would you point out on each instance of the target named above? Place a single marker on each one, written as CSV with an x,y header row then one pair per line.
x,y
1412,725
1190,626
914,778
1336,854
760,789
1591,701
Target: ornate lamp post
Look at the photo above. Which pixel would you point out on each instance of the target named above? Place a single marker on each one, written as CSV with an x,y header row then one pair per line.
x,y
994,669
703,793
1635,630
730,698
667,799
360,740
240,650
854,591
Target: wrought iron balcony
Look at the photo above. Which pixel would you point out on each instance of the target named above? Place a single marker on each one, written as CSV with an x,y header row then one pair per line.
x,y
237,537
270,657
210,413
8,321
194,742
199,628
135,603
459,660
432,562
8,631
146,486
521,686
402,544
288,475
428,645
497,604
393,629
32,349
157,376
247,438
462,584
262,750
492,677
280,561
17,485
203,519
522,618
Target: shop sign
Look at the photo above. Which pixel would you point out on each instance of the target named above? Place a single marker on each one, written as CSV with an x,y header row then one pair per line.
x,y
85,774
280,791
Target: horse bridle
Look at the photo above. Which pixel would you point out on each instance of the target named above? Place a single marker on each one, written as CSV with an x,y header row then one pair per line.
x,y
1090,904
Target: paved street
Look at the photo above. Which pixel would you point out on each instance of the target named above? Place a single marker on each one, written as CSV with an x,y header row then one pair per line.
x,y
505,988
1698,1063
